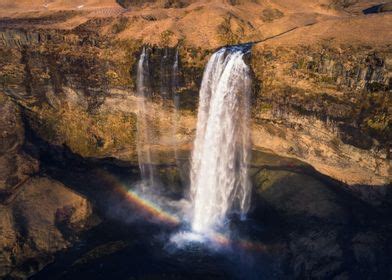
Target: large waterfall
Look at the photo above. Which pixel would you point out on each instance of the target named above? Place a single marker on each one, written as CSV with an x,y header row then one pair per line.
x,y
219,175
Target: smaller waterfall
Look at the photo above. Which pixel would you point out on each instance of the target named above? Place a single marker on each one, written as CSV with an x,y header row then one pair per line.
x,y
176,101
165,75
175,80
143,131
219,174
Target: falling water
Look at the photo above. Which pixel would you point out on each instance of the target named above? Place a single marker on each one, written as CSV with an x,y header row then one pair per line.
x,y
165,75
143,132
175,81
219,175
176,101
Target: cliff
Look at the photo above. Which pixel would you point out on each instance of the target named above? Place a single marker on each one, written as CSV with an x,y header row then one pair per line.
x,y
321,94
39,215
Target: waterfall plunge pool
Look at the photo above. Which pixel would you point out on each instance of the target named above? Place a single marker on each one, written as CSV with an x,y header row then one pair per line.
x,y
299,223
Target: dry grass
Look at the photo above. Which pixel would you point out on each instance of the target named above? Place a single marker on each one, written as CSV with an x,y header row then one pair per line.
x,y
210,24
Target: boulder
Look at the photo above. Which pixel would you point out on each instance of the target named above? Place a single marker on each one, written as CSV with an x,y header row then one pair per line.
x,y
42,219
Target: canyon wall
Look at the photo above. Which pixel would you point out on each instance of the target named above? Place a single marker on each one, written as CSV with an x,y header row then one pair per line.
x,y
326,104
39,216
321,95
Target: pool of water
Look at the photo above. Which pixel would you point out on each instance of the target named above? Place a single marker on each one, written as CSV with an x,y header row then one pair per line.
x,y
143,250
300,227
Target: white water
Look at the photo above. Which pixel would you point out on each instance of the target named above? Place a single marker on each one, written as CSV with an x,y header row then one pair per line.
x,y
219,175
165,75
176,101
143,131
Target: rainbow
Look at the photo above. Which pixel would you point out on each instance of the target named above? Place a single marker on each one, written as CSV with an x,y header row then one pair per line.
x,y
152,209
157,213
147,207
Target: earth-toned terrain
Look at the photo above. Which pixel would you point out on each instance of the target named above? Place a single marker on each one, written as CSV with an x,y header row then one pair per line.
x,y
321,100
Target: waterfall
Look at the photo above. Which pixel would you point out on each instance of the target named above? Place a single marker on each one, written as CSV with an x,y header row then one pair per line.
x,y
219,175
175,81
165,75
176,101
143,131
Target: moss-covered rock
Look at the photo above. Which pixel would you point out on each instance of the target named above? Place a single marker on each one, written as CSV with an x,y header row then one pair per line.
x,y
89,135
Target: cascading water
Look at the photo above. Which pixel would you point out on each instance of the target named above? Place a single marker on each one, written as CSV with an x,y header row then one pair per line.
x,y
219,175
169,84
176,101
175,74
165,75
143,132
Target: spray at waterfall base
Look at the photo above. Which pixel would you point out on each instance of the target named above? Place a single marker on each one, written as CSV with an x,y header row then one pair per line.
x,y
155,209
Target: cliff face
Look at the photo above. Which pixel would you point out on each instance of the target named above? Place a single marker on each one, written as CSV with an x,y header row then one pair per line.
x,y
38,215
322,95
79,88
327,104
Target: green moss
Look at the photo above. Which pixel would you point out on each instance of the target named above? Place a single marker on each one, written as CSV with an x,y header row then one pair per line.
x,y
126,53
114,78
376,118
264,106
266,179
86,134
380,123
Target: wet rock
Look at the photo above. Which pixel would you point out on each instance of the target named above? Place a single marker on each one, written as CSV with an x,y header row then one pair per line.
x,y
324,231
299,195
316,254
